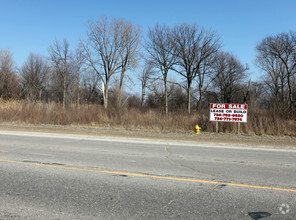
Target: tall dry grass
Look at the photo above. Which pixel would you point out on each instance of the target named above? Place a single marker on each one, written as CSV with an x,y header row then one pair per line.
x,y
259,122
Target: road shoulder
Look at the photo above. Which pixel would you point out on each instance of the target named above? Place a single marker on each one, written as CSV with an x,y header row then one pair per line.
x,y
273,142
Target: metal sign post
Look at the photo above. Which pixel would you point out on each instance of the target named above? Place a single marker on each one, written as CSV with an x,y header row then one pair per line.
x,y
217,128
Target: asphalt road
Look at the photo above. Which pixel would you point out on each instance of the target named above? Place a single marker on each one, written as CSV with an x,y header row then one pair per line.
x,y
47,176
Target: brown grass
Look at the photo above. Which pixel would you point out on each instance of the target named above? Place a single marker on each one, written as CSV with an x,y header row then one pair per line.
x,y
259,122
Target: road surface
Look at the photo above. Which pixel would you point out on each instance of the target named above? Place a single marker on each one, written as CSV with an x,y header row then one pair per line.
x,y
50,176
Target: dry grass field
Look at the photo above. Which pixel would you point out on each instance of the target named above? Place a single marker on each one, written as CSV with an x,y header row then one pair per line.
x,y
38,113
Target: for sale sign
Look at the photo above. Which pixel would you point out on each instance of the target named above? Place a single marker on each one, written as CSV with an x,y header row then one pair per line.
x,y
228,112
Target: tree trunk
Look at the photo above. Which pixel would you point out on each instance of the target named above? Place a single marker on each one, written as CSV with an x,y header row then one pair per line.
x,y
200,97
40,95
189,98
78,92
64,92
143,96
105,95
166,96
291,100
120,86
105,100
198,104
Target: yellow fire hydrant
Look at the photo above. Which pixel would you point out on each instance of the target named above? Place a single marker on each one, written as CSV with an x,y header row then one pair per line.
x,y
197,129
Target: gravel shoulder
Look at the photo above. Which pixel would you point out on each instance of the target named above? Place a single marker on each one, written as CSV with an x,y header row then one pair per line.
x,y
274,142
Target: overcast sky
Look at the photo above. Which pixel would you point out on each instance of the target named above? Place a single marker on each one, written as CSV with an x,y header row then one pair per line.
x,y
31,25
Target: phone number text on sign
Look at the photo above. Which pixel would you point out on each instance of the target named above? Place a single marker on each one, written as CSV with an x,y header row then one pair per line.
x,y
228,112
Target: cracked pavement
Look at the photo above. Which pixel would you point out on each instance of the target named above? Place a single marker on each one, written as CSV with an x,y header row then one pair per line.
x,y
58,176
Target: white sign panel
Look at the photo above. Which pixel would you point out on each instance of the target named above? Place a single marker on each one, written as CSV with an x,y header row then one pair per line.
x,y
228,112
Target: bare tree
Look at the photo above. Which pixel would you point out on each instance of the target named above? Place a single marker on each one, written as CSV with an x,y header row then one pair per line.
x,y
130,53
257,97
110,48
144,77
34,74
177,97
155,97
229,73
9,81
60,56
78,63
90,82
204,79
193,46
276,56
160,48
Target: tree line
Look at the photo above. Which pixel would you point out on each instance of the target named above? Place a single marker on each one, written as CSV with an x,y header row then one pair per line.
x,y
178,67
